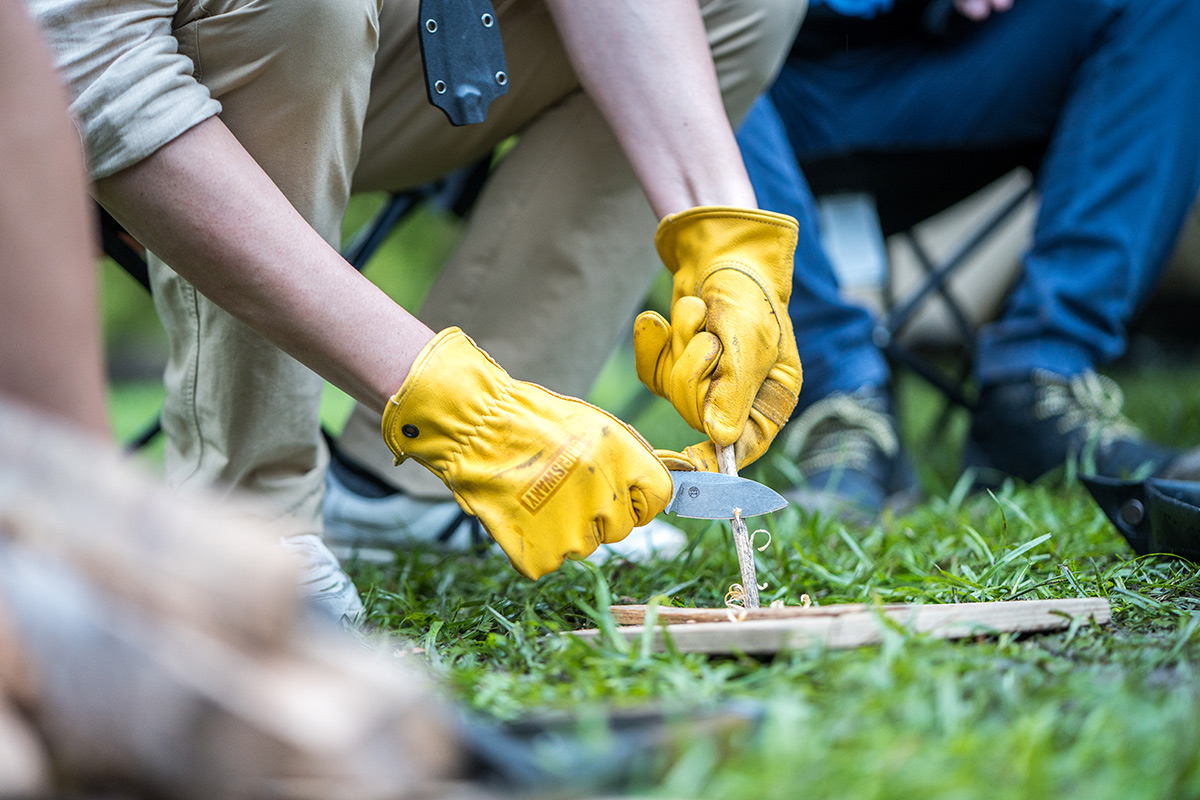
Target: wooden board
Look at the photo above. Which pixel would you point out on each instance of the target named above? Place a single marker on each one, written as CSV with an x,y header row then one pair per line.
x,y
769,630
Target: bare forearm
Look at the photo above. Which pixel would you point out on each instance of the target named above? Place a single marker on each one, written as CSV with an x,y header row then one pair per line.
x,y
50,352
204,206
662,100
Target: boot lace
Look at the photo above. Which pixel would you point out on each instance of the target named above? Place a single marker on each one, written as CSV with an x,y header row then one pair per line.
x,y
1089,403
839,432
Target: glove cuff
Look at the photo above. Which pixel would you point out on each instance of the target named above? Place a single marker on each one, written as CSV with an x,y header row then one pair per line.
x,y
712,234
447,393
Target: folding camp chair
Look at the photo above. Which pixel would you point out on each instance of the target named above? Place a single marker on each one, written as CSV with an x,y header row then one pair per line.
x,y
905,189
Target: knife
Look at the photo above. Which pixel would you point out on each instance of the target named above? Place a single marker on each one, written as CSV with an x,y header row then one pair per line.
x,y
714,495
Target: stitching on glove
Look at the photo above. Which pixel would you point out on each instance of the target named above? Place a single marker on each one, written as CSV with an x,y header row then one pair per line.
x,y
502,396
739,267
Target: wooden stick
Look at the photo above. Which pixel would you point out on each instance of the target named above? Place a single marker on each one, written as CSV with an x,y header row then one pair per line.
x,y
770,631
741,537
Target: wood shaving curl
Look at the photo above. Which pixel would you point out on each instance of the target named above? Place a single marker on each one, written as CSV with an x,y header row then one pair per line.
x,y
757,531
735,599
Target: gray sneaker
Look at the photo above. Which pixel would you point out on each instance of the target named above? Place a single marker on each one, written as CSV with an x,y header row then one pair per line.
x,y
327,589
848,455
371,521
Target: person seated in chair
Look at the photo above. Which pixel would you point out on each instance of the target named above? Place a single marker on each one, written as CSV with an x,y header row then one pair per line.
x,y
1107,91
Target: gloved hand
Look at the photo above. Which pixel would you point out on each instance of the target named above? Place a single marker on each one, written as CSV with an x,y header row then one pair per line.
x,y
727,360
548,476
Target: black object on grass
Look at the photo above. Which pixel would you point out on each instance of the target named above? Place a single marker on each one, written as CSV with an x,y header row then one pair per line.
x,y
1154,516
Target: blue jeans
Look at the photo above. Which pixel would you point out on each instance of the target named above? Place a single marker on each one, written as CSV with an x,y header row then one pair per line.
x,y
1107,85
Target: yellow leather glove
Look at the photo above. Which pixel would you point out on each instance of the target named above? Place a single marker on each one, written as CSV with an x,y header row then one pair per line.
x,y
548,476
727,360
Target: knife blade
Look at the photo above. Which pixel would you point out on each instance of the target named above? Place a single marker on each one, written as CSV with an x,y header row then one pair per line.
x,y
713,495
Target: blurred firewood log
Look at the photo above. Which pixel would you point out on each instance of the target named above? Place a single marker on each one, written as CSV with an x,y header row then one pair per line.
x,y
24,767
157,641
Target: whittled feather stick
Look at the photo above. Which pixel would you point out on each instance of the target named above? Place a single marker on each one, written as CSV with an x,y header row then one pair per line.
x,y
741,536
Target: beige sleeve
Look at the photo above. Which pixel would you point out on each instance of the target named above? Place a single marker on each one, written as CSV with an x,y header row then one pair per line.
x,y
132,91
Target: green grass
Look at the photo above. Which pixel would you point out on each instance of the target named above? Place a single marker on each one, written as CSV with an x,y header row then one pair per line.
x,y
1090,712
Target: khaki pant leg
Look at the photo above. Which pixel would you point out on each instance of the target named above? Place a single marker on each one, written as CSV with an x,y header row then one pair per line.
x,y
292,77
558,254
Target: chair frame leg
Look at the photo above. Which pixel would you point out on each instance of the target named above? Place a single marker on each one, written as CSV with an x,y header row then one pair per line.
x,y
899,315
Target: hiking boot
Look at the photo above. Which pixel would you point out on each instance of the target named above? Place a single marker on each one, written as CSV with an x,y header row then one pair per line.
x,y
370,520
327,589
1028,428
848,453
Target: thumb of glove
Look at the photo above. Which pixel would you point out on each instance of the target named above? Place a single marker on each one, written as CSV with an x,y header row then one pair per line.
x,y
676,360
676,461
700,457
651,346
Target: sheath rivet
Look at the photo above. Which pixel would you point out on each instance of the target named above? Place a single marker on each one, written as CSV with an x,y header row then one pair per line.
x,y
431,25
440,87
502,77
488,20
1133,512
411,431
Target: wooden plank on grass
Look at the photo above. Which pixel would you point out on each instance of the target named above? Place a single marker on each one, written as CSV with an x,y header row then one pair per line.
x,y
769,630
